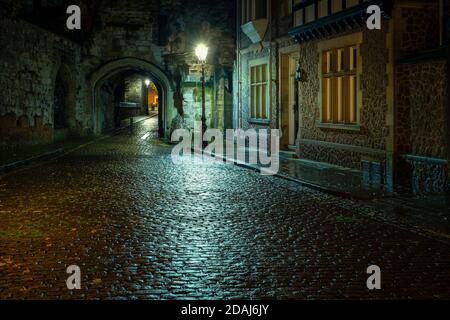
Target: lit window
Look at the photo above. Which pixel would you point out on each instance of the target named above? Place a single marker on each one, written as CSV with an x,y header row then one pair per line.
x,y
339,85
259,92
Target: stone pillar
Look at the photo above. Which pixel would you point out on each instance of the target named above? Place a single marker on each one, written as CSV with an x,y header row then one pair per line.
x,y
390,117
144,98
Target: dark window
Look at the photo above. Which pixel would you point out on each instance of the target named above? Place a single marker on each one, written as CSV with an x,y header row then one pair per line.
x,y
260,9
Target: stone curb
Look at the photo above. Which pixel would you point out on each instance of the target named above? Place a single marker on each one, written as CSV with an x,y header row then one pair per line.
x,y
331,191
60,151
44,156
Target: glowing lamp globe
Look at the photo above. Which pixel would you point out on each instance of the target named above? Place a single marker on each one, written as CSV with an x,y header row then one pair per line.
x,y
201,52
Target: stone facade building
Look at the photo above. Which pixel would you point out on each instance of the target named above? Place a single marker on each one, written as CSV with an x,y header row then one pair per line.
x,y
342,94
369,100
56,83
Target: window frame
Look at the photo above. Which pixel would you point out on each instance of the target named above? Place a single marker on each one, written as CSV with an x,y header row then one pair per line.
x,y
253,115
250,5
353,40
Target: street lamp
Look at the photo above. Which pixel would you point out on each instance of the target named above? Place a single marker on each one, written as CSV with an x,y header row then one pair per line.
x,y
202,53
145,95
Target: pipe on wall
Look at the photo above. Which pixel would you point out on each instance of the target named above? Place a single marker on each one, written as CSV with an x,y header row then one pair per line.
x,y
441,22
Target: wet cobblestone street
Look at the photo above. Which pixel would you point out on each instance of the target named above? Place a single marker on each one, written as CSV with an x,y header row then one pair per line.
x,y
141,227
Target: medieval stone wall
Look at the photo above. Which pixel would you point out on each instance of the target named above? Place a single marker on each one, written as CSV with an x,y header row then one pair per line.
x,y
190,23
427,85
421,89
133,89
373,132
421,125
126,29
419,29
29,63
32,56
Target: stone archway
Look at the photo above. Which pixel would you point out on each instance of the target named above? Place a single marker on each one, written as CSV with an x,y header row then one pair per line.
x,y
112,68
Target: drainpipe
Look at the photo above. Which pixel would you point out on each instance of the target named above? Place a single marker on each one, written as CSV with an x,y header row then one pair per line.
x,y
237,120
271,98
448,110
441,22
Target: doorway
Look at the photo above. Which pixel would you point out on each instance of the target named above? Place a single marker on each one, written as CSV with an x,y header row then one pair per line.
x,y
289,116
116,69
152,97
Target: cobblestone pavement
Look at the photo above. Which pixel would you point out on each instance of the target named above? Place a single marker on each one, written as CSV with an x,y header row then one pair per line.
x,y
141,227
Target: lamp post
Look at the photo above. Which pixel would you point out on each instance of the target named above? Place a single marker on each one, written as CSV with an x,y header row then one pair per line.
x,y
145,96
202,53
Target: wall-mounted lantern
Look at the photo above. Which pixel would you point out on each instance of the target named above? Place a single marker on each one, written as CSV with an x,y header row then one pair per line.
x,y
298,73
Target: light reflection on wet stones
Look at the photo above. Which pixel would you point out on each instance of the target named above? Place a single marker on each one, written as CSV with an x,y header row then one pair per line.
x,y
142,228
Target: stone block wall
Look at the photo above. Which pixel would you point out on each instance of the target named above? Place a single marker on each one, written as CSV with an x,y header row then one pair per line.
x,y
192,104
29,63
419,28
421,126
428,177
126,29
201,21
428,97
421,103
133,89
373,132
32,57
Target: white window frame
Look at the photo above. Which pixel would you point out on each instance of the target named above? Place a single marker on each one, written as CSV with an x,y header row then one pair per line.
x,y
252,115
336,43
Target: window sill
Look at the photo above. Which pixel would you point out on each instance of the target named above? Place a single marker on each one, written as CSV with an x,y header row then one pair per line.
x,y
259,121
337,126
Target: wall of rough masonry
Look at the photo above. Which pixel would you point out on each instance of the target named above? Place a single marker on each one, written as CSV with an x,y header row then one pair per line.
x,y
425,100
421,125
373,133
333,143
275,39
421,98
192,105
126,29
419,29
133,89
29,63
190,23
162,34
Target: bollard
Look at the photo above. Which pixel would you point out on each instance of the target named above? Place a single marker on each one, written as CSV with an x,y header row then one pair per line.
x,y
131,123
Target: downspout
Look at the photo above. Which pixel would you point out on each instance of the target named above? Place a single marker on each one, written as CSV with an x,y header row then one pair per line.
x,y
441,22
271,98
448,110
238,120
